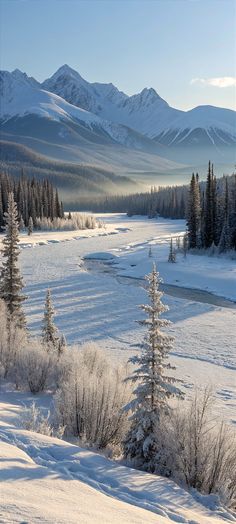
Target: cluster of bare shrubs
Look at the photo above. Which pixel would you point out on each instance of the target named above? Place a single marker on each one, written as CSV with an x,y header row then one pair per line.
x,y
29,362
75,222
197,450
90,402
89,394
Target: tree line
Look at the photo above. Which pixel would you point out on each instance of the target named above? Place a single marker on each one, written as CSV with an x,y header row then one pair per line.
x,y
168,202
208,206
35,199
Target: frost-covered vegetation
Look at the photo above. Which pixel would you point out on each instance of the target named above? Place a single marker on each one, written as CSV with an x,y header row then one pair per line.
x,y
154,384
89,404
76,221
199,451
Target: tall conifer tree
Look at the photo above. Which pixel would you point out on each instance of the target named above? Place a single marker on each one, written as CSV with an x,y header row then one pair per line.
x,y
154,387
49,332
194,213
11,281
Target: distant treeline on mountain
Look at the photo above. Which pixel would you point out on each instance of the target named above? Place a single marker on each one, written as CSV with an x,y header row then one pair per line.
x,y
34,198
209,207
71,179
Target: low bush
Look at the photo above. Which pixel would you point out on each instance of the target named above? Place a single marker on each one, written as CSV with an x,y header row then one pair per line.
x,y
33,366
90,403
197,450
35,419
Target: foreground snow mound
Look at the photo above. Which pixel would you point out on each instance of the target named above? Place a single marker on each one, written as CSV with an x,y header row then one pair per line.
x,y
52,481
31,493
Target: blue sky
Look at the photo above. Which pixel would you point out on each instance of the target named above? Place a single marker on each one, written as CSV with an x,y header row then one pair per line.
x,y
185,49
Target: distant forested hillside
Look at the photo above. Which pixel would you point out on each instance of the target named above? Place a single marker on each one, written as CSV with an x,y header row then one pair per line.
x,y
73,180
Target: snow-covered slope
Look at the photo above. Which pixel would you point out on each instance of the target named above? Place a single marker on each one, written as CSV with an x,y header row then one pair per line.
x,y
146,112
68,83
217,124
21,96
48,480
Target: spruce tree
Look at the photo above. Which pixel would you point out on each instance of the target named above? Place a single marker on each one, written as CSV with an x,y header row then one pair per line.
x,y
225,237
30,226
172,255
210,211
11,281
154,387
21,224
49,331
185,244
194,213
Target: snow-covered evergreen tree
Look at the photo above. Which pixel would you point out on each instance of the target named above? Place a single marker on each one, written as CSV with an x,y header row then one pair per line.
x,y
49,331
30,226
11,281
61,345
194,213
21,224
155,385
225,237
225,243
185,244
210,212
177,243
172,255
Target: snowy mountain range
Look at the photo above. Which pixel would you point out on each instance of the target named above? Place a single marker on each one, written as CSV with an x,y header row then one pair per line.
x,y
74,112
146,112
21,96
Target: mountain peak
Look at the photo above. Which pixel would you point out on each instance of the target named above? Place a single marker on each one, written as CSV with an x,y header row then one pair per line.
x,y
23,78
18,72
66,70
150,94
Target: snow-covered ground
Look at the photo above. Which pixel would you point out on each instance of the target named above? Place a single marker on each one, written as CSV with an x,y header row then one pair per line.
x,y
50,481
55,482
